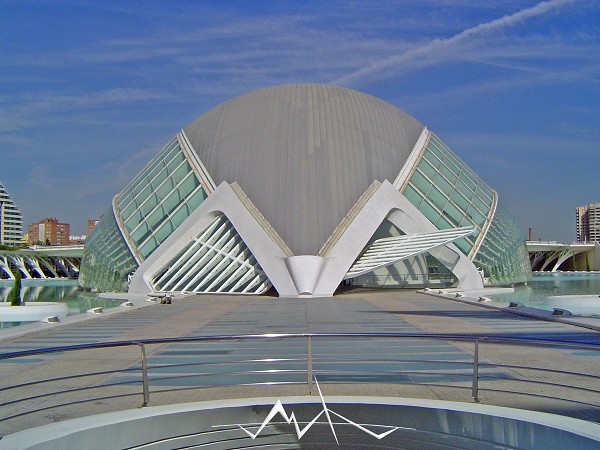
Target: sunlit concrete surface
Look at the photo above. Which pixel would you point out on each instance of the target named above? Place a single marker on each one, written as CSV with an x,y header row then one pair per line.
x,y
403,312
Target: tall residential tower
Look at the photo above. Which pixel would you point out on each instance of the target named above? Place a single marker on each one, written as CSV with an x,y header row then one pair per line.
x,y
11,220
588,222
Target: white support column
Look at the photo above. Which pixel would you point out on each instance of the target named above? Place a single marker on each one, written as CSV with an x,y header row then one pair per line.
x,y
217,246
551,256
18,261
562,257
42,262
387,202
35,265
4,266
537,258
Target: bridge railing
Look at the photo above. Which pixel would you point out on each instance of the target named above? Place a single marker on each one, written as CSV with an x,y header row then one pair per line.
x,y
50,384
561,243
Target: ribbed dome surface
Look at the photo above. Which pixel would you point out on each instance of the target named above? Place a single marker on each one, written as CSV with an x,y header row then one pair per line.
x,y
304,153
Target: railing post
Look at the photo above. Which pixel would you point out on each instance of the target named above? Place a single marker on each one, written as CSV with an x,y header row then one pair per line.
x,y
145,388
309,368
475,385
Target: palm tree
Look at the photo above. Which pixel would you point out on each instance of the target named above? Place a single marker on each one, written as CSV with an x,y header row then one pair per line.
x,y
15,293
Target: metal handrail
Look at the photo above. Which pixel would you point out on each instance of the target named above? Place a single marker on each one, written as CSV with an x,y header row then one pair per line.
x,y
170,340
308,361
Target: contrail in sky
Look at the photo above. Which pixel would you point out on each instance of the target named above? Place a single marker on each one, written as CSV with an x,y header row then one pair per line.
x,y
424,52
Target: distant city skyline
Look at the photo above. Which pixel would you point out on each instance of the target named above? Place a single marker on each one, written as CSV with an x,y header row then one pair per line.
x,y
88,90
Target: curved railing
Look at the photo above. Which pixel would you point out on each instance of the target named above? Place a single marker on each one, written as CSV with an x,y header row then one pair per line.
x,y
108,376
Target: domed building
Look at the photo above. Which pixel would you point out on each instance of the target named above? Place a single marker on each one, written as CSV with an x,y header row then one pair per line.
x,y
304,189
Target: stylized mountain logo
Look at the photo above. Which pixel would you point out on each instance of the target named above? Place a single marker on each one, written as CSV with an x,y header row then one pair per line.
x,y
278,408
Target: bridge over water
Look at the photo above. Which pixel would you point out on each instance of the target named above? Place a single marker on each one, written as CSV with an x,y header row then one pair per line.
x,y
41,262
551,256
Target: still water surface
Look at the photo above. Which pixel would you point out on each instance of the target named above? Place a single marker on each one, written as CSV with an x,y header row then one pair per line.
x,y
586,286
66,291
543,292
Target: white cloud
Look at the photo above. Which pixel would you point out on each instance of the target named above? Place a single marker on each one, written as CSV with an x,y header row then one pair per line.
x,y
440,50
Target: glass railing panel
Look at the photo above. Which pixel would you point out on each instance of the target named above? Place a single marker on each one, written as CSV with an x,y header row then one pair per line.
x,y
464,245
463,188
480,205
475,216
181,173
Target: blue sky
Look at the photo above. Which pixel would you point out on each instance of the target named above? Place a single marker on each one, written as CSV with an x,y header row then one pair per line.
x,y
91,90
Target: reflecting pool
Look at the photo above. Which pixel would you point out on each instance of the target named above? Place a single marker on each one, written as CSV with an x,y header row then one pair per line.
x,y
577,292
61,290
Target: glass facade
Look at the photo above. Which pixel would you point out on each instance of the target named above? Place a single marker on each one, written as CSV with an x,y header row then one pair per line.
x,y
149,209
503,253
159,199
448,193
451,195
217,260
164,194
107,260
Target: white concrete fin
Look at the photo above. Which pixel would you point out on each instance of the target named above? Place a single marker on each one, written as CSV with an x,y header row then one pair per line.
x,y
305,271
220,248
215,261
388,203
385,251
192,156
413,160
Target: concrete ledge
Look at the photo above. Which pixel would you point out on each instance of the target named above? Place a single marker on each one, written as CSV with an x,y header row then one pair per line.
x,y
472,298
7,334
443,423
31,311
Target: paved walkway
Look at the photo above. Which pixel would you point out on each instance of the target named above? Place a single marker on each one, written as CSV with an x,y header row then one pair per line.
x,y
345,366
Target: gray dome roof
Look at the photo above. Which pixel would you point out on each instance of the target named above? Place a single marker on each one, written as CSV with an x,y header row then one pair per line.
x,y
304,153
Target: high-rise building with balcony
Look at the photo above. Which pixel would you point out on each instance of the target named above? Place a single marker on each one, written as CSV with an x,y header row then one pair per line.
x,y
588,222
11,220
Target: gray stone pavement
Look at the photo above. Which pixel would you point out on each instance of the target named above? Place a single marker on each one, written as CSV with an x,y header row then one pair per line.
x,y
231,369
